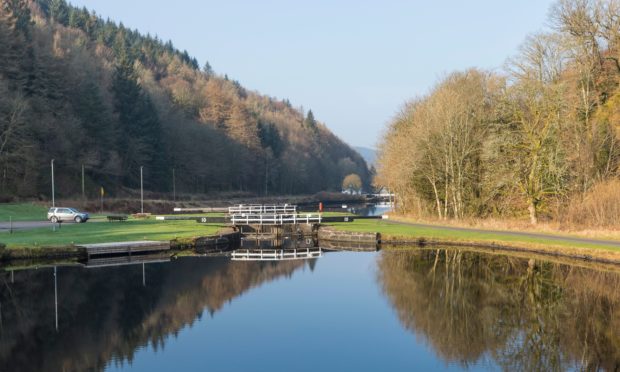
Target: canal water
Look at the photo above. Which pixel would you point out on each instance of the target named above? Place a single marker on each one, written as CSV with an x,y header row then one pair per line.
x,y
362,209
370,209
394,310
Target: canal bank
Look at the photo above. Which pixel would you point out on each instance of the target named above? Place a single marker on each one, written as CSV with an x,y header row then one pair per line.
x,y
198,244
224,240
332,230
400,234
360,236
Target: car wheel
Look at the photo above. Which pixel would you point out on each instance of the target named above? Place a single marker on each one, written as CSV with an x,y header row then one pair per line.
x,y
54,219
78,219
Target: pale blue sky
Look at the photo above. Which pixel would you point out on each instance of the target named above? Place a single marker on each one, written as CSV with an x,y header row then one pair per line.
x,y
354,63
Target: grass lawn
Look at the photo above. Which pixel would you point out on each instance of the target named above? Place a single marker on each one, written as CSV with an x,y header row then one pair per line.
x,y
22,212
101,232
397,231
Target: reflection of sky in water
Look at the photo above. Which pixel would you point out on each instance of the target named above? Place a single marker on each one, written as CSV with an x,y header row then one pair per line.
x,y
332,318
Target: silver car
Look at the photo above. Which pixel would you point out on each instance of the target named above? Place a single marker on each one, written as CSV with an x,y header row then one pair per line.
x,y
66,214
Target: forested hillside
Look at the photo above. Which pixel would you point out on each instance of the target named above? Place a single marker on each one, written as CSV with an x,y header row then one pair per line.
x,y
89,92
541,139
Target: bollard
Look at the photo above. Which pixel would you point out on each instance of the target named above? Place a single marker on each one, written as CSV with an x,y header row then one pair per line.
x,y
10,224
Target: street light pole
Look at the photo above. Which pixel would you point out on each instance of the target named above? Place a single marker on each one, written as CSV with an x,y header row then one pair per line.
x,y
141,192
53,197
83,194
174,186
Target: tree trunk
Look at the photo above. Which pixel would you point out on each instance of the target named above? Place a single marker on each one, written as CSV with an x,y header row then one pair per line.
x,y
533,214
438,203
446,197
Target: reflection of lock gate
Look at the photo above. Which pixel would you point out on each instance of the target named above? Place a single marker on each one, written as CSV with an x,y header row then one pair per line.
x,y
277,241
276,254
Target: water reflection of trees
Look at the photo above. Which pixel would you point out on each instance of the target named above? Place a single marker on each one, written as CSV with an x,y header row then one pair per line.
x,y
107,314
524,315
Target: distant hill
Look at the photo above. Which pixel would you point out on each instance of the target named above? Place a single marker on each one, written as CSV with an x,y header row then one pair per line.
x,y
89,92
370,155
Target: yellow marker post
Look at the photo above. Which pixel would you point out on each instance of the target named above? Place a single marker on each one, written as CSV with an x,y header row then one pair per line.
x,y
102,194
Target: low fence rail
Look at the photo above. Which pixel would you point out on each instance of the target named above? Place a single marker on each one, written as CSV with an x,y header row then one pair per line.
x,y
262,209
274,219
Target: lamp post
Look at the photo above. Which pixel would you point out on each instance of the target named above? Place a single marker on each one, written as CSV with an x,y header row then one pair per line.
x,y
53,198
174,186
83,191
141,192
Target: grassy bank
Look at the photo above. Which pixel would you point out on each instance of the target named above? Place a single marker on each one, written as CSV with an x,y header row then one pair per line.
x,y
513,224
22,212
553,244
101,232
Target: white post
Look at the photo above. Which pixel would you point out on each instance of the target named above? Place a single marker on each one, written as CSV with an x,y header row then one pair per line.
x,y
141,192
53,197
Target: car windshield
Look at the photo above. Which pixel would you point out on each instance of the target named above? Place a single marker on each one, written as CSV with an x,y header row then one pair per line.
x,y
72,210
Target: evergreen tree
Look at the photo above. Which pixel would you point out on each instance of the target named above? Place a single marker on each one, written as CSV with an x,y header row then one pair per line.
x,y
44,5
270,138
207,69
76,18
141,143
59,12
19,15
89,107
310,122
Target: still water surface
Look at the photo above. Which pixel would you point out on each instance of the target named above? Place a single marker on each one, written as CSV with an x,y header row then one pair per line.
x,y
425,310
376,209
